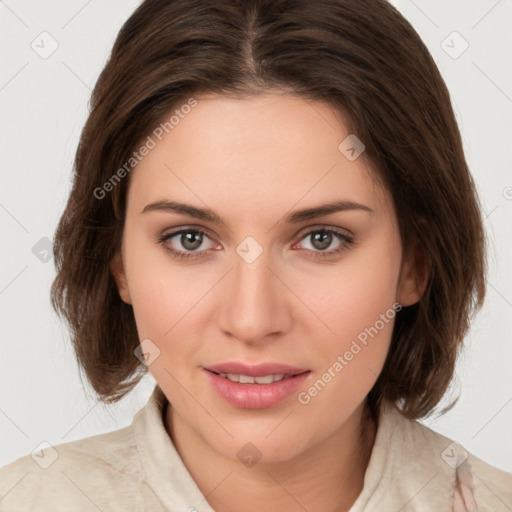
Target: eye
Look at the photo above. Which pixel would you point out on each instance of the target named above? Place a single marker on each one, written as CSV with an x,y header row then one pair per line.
x,y
323,238
192,242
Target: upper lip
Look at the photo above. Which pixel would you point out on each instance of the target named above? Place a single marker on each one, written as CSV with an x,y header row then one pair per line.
x,y
255,370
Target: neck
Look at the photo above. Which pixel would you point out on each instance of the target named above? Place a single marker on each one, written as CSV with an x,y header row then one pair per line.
x,y
329,476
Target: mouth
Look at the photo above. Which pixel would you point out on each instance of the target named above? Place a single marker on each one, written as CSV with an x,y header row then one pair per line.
x,y
248,379
255,386
259,370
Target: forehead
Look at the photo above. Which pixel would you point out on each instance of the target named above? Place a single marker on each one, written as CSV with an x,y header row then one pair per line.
x,y
247,154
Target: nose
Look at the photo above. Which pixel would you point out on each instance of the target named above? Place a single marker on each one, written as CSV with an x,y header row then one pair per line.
x,y
256,304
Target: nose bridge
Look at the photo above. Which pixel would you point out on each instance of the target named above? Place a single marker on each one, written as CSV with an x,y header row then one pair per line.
x,y
254,303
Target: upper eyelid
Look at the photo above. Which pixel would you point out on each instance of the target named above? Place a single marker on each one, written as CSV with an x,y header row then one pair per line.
x,y
302,233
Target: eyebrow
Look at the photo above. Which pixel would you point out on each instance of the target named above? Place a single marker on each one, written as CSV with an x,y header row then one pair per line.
x,y
295,217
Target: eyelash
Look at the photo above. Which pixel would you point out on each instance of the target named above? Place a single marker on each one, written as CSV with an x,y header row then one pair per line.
x,y
192,256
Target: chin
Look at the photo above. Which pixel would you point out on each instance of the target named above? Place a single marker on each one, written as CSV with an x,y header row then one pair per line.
x,y
261,447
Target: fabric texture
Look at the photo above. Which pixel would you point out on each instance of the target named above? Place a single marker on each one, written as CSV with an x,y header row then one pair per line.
x,y
137,468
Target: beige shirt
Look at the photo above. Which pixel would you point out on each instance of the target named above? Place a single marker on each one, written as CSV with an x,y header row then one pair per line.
x,y
137,468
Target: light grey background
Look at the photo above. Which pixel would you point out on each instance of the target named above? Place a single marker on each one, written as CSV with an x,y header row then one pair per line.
x,y
44,104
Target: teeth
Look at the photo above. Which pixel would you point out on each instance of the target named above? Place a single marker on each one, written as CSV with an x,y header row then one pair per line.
x,y
266,379
243,379
246,379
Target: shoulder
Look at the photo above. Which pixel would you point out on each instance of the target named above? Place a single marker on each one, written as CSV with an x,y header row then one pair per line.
x,y
77,475
472,484
492,487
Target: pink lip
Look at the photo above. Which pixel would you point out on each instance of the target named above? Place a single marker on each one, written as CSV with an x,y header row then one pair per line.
x,y
256,396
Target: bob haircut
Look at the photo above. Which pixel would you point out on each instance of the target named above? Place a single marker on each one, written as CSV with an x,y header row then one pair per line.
x,y
362,58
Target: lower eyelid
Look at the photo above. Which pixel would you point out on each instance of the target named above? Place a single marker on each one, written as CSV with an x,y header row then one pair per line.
x,y
166,238
342,237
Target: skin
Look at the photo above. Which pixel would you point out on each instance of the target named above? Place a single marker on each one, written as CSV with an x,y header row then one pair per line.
x,y
252,161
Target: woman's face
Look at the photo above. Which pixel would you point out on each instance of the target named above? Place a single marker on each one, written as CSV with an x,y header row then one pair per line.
x,y
273,290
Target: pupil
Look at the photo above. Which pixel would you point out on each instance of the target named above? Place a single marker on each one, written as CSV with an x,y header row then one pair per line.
x,y
323,238
187,239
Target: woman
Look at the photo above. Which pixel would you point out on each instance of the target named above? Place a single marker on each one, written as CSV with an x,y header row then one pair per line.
x,y
272,214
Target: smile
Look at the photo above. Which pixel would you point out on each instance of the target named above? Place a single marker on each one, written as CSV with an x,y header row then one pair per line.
x,y
269,384
247,379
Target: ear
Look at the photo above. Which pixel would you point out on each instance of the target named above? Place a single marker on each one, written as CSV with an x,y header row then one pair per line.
x,y
117,269
414,277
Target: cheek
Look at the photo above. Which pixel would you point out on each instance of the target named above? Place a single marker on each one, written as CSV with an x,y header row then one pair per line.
x,y
352,296
360,309
166,300
357,303
155,294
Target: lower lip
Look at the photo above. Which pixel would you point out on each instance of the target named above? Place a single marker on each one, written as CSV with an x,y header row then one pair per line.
x,y
256,396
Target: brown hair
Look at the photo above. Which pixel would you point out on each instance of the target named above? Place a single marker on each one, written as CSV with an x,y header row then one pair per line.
x,y
359,56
